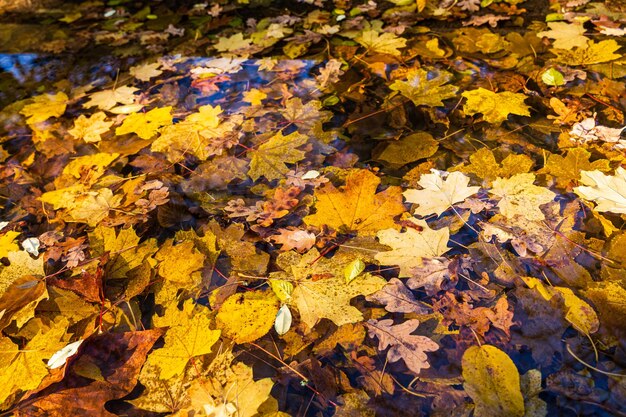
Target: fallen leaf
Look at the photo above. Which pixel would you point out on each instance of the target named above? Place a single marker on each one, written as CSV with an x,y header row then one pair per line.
x,y
383,43
495,107
519,196
493,382
246,317
424,88
607,191
438,195
357,207
146,125
410,246
270,159
403,345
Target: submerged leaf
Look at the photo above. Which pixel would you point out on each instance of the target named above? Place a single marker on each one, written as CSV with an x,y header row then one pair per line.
x,y
493,382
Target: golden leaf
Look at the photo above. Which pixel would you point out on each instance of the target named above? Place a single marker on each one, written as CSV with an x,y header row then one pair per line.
x,y
357,207
495,107
146,125
246,317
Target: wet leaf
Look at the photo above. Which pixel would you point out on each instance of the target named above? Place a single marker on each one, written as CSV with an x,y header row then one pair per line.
x,y
410,246
438,195
403,345
495,107
246,317
492,381
357,206
425,90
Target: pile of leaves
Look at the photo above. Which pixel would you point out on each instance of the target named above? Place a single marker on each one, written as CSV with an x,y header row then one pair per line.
x,y
348,208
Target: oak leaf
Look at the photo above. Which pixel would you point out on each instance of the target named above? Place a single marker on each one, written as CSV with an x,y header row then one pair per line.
x,y
411,246
357,207
410,348
438,195
397,298
495,107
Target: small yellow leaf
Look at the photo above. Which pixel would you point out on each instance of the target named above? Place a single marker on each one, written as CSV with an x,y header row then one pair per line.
x,y
254,96
518,196
579,313
353,269
146,125
45,107
493,382
7,243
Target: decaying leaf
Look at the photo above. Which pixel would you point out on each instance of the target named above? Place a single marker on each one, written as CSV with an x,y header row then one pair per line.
x,y
403,345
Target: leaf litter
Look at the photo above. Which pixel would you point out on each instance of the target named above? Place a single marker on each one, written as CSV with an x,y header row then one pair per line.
x,y
255,208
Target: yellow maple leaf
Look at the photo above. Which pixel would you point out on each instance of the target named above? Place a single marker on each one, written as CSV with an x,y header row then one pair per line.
x,y
232,43
107,99
519,196
146,125
593,53
495,107
23,368
246,317
484,165
145,72
44,107
123,249
608,191
567,169
83,205
383,43
493,382
438,195
426,90
180,263
357,206
254,96
8,244
270,158
202,134
90,129
411,246
566,35
189,335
